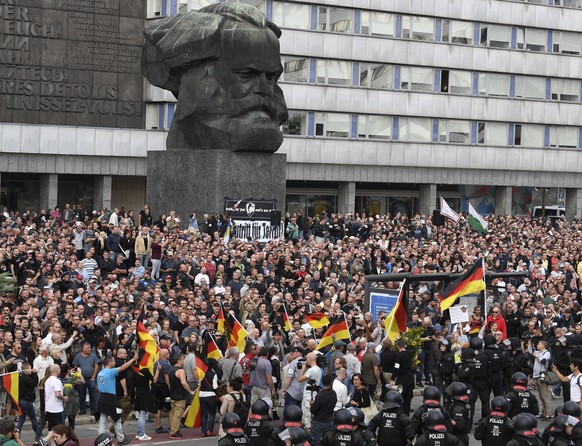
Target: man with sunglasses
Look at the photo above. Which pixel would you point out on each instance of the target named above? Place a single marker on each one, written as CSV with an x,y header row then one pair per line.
x,y
496,317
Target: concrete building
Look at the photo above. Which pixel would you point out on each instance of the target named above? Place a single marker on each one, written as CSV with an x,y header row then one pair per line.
x,y
392,104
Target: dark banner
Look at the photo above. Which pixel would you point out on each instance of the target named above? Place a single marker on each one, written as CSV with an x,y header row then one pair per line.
x,y
249,209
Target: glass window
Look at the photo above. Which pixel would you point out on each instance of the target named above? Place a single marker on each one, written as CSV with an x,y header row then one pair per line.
x,y
566,137
418,28
453,131
495,36
417,79
530,87
457,82
296,124
334,72
535,39
335,20
291,15
377,76
455,31
565,90
152,116
492,133
566,43
374,127
155,8
529,135
569,3
377,23
295,69
333,125
415,129
259,4
491,84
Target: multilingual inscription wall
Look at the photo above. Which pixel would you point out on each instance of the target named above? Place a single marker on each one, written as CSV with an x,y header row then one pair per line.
x,y
71,62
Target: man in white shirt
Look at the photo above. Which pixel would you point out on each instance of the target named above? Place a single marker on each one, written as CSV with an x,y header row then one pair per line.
x,y
541,364
340,390
574,378
353,363
311,375
54,397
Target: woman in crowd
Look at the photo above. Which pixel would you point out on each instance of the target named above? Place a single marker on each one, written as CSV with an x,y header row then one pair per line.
x,y
234,393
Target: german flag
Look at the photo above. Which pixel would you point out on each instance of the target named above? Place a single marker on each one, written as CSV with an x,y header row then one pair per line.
x,y
194,418
286,319
149,352
337,330
210,348
11,383
396,321
317,320
472,281
221,323
201,365
237,335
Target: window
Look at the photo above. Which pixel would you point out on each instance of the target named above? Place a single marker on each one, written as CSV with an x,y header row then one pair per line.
x,y
491,84
495,36
334,72
417,79
528,135
374,127
155,8
335,20
377,76
333,125
566,137
152,116
567,43
295,69
377,23
296,124
457,82
565,90
418,28
415,129
530,87
569,3
457,32
259,4
492,133
532,39
453,131
291,15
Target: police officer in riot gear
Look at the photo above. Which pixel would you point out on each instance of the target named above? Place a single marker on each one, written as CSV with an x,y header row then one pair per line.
x,y
460,411
480,386
391,426
524,426
495,356
359,424
258,428
431,402
558,433
291,418
294,436
520,399
342,433
436,434
232,426
573,409
494,430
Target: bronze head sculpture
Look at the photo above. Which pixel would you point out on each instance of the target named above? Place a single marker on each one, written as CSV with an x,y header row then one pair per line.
x,y
222,63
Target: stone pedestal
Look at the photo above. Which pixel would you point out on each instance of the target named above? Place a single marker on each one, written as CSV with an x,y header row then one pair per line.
x,y
197,181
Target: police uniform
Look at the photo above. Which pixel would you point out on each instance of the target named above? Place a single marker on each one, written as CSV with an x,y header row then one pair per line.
x,y
258,430
274,439
437,439
393,428
234,438
495,356
494,430
461,415
521,400
338,438
480,386
367,435
520,440
417,417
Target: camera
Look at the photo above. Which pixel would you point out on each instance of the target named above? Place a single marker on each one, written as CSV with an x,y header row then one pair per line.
x,y
312,386
542,377
300,363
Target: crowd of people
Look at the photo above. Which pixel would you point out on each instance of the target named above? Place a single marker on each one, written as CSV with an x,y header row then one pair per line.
x,y
83,280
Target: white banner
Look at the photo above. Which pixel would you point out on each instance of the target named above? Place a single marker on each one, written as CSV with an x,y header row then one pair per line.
x,y
459,313
260,230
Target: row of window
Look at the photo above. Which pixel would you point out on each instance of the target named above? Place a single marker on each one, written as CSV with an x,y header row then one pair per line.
x,y
428,130
428,79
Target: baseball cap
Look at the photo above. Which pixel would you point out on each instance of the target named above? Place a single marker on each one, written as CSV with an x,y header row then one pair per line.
x,y
297,349
339,343
79,277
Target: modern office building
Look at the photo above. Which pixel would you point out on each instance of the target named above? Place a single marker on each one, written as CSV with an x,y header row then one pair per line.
x,y
392,104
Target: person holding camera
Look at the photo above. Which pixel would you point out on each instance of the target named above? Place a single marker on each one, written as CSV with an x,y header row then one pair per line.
x,y
540,368
292,390
311,375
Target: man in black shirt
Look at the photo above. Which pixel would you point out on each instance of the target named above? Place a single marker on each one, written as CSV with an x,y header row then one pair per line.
x,y
322,410
403,375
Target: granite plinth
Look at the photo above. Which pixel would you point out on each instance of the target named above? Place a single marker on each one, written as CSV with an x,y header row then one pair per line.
x,y
198,181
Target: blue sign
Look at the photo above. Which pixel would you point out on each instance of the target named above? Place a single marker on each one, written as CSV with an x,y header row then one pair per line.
x,y
381,299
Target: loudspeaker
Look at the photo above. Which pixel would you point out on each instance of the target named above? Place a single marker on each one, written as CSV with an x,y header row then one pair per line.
x,y
275,218
437,218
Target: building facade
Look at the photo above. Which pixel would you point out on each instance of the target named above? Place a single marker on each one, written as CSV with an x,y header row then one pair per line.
x,y
392,104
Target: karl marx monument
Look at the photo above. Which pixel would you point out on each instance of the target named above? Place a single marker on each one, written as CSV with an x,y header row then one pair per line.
x,y
222,64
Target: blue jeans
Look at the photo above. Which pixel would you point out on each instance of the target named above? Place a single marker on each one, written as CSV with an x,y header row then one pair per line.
x,y
290,401
424,366
208,405
141,421
27,408
318,429
92,387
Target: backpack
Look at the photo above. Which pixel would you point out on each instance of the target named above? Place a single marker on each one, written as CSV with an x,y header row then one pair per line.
x,y
241,407
254,362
